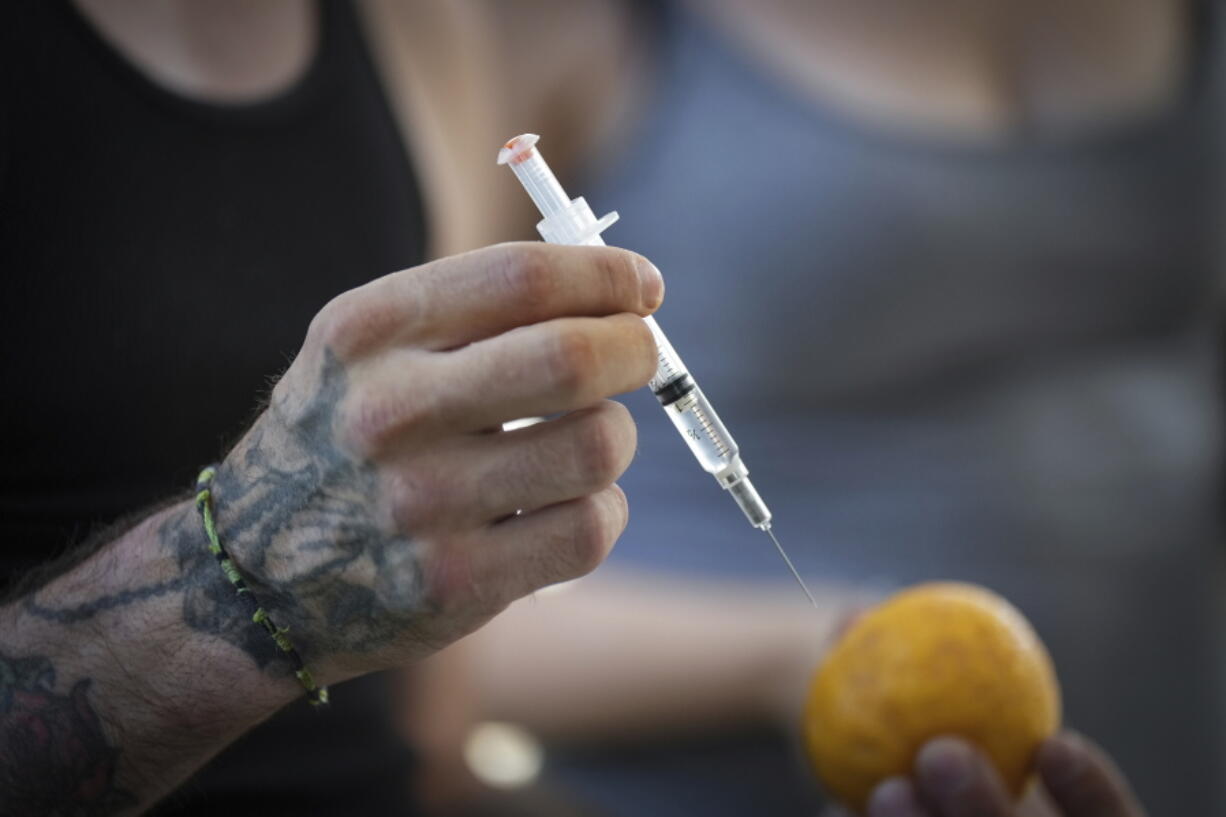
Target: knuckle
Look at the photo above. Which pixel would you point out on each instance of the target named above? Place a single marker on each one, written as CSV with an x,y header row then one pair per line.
x,y
571,361
368,422
373,418
452,586
618,270
528,272
605,443
344,324
416,499
330,323
595,529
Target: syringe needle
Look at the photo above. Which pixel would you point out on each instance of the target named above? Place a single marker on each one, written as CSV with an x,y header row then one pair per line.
x,y
791,566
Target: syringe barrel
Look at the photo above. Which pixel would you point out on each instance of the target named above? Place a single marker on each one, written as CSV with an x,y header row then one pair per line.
x,y
702,430
688,408
572,222
694,417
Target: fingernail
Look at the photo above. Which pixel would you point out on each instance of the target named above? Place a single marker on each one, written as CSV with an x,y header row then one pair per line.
x,y
652,282
1061,760
894,797
945,765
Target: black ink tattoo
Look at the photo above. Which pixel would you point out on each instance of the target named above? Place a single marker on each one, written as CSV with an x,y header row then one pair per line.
x,y
299,516
110,601
54,759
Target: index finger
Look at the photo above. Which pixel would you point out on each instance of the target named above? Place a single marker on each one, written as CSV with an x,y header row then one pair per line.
x,y
457,300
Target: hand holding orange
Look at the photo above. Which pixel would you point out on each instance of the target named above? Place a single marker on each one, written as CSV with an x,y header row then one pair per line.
x,y
935,659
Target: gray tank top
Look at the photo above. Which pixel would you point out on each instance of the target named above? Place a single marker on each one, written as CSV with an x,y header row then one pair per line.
x,y
996,365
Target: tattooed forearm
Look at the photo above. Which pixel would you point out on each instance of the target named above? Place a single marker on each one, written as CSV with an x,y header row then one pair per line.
x,y
110,601
54,757
107,699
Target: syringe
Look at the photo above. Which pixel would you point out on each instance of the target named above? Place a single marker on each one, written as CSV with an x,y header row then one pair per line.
x,y
567,221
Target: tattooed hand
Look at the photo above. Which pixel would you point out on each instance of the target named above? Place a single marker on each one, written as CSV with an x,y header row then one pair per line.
x,y
371,507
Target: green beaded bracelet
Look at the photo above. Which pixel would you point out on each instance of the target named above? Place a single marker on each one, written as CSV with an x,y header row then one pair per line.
x,y
317,695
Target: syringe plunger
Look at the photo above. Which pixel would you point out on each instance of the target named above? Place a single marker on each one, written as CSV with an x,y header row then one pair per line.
x,y
565,221
536,177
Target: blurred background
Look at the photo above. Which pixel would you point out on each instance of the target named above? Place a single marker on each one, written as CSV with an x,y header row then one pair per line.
x,y
951,274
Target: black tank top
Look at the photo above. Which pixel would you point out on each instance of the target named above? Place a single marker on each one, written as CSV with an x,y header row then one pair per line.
x,y
161,261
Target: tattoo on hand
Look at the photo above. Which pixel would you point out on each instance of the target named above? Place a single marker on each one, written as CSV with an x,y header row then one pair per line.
x,y
54,758
301,518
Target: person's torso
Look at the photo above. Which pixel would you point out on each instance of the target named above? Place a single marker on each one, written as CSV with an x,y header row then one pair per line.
x,y
871,314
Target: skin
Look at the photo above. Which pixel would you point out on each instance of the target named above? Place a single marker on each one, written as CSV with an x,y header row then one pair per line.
x,y
952,779
969,71
370,507
225,51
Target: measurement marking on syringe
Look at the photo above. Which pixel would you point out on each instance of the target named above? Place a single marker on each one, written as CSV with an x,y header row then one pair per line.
x,y
706,426
666,366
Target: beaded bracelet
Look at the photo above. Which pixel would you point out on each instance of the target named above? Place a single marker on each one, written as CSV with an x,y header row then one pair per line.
x,y
317,695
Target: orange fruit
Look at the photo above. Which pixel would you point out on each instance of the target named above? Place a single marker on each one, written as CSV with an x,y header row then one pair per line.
x,y
935,659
